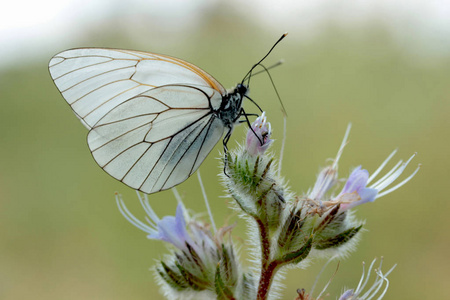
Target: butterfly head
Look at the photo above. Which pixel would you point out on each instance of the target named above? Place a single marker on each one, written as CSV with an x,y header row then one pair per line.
x,y
241,89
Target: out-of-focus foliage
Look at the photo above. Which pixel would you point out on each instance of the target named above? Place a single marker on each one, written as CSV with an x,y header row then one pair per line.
x,y
62,237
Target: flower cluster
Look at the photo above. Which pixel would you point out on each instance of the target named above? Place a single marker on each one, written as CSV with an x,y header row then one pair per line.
x,y
285,229
202,265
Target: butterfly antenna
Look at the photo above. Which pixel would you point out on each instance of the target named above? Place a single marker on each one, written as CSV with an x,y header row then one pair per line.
x,y
275,88
248,75
278,63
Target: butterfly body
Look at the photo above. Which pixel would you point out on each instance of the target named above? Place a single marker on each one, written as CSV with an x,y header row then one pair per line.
x,y
230,108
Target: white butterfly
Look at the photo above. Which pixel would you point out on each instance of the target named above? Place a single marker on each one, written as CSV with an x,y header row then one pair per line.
x,y
152,118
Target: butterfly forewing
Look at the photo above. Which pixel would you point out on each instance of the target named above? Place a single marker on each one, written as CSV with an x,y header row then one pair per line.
x,y
94,81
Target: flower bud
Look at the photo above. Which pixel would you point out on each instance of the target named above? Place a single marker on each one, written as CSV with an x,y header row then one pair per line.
x,y
252,180
258,136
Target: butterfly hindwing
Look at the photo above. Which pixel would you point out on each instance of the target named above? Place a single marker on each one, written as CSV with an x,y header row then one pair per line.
x,y
157,139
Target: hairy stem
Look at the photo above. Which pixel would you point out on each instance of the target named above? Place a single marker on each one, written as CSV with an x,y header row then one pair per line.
x,y
267,274
268,268
265,243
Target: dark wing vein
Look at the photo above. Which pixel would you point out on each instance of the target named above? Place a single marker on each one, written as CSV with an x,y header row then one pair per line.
x,y
177,147
201,146
137,160
122,135
208,124
106,101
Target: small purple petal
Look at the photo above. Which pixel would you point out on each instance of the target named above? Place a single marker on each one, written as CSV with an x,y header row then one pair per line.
x,y
325,181
173,230
346,295
357,181
258,137
366,195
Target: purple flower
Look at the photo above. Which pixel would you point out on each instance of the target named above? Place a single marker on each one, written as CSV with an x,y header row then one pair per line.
x,y
328,177
361,292
258,136
372,291
356,191
347,295
172,230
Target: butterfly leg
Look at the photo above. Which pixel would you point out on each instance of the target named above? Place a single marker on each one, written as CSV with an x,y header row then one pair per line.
x,y
225,149
243,113
252,115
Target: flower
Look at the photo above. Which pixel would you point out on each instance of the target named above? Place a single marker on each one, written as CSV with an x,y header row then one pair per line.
x,y
328,177
202,265
258,136
356,191
325,214
356,294
171,229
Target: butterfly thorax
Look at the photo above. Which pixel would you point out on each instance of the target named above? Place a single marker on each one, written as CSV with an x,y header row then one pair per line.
x,y
230,107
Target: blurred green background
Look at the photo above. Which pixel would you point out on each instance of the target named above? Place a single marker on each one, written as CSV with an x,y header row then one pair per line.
x,y
61,234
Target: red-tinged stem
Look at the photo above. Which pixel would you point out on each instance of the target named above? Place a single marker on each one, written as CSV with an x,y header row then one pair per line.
x,y
268,269
267,275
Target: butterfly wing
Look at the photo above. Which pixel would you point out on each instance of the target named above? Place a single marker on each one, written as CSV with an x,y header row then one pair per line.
x,y
157,139
150,116
95,80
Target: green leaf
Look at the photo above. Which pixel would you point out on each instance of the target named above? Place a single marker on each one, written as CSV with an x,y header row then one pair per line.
x,y
291,229
172,277
328,219
338,240
195,258
255,178
228,265
194,282
299,255
222,291
241,203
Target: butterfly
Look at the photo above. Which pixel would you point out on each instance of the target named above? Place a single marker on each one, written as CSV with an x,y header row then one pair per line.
x,y
152,118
